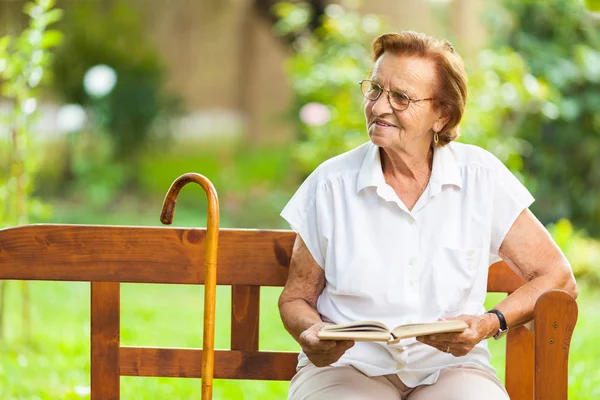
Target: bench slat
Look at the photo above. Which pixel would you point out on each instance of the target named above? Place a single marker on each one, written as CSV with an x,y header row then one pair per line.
x,y
159,255
105,320
502,279
519,363
245,306
187,363
142,254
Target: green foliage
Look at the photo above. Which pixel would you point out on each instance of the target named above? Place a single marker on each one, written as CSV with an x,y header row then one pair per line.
x,y
114,35
98,178
325,69
253,184
560,45
24,61
582,251
502,94
592,5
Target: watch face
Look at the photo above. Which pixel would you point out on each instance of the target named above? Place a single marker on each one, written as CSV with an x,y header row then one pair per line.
x,y
500,334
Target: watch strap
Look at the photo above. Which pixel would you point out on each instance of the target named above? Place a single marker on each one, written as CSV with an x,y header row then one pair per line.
x,y
503,325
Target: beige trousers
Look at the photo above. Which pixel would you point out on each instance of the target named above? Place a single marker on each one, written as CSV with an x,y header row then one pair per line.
x,y
348,383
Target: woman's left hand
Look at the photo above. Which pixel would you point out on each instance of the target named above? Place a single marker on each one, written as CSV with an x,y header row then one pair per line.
x,y
480,327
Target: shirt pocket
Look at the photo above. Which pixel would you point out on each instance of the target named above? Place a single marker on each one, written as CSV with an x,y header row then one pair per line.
x,y
454,271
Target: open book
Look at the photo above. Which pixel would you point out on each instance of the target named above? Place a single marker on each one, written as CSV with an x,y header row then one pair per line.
x,y
373,331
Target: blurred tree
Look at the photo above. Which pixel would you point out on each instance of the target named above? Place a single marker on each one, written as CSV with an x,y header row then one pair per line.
x,y
268,9
24,62
111,33
327,64
502,94
560,44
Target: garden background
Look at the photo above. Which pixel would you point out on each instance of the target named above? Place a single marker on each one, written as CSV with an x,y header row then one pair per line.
x,y
104,103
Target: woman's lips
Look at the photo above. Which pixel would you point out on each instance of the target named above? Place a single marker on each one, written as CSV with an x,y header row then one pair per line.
x,y
384,124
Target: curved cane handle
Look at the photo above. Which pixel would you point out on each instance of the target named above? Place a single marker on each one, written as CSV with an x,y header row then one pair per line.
x,y
210,281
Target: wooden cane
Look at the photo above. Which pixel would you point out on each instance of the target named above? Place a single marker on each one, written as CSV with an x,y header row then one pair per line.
x,y
210,281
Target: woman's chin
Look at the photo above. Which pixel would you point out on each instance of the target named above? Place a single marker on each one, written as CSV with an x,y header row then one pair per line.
x,y
380,140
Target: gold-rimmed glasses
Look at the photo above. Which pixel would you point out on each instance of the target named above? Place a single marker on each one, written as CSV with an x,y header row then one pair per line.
x,y
398,100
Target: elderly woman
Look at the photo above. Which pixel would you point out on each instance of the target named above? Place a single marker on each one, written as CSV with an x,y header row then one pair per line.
x,y
402,229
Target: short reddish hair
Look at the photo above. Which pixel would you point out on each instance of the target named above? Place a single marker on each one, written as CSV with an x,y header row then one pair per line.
x,y
450,91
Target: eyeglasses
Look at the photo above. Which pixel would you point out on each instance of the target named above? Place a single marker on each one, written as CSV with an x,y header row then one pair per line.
x,y
398,100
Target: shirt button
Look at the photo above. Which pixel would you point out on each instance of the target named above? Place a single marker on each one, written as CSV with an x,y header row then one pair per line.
x,y
411,221
411,262
412,283
470,253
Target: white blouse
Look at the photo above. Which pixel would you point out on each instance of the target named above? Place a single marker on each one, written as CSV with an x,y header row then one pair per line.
x,y
383,262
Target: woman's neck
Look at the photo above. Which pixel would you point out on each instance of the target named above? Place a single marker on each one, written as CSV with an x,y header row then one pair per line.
x,y
401,165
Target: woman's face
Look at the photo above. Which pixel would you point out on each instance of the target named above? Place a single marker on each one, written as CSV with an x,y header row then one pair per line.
x,y
402,130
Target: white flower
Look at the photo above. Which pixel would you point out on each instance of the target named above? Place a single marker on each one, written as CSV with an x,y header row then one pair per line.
x,y
99,80
71,118
29,105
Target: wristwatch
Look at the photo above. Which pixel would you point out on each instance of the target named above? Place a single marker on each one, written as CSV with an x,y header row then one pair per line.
x,y
503,327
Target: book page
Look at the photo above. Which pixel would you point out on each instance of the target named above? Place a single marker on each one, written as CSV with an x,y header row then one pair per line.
x,y
414,330
358,336
358,326
360,331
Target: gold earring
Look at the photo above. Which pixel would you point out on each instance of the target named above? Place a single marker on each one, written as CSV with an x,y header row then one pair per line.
x,y
436,138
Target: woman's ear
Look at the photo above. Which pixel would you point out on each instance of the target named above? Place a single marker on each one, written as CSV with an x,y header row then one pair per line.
x,y
440,123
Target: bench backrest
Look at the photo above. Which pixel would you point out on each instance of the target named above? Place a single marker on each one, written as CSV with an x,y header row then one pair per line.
x,y
247,259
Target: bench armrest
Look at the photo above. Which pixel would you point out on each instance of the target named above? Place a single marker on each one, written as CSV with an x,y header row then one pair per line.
x,y
555,316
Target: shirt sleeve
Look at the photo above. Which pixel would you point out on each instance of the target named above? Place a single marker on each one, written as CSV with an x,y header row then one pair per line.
x,y
509,200
307,214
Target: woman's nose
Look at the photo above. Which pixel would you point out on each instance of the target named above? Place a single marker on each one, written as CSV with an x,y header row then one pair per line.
x,y
382,105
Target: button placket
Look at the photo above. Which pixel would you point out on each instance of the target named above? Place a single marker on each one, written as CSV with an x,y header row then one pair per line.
x,y
413,258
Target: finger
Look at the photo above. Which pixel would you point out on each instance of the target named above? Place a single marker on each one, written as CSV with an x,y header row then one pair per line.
x,y
318,345
466,337
326,358
445,347
332,346
427,341
436,345
345,344
446,337
432,340
342,347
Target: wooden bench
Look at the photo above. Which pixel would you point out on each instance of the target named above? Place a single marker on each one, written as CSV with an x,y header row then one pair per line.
x,y
105,256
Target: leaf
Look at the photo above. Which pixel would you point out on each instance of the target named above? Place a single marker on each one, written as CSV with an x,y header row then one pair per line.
x,y
592,5
4,43
46,4
51,17
51,38
33,10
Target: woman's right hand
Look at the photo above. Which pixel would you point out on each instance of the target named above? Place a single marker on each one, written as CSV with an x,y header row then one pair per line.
x,y
322,352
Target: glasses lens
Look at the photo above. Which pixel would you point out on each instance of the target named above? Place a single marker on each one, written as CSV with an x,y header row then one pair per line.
x,y
400,101
370,90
